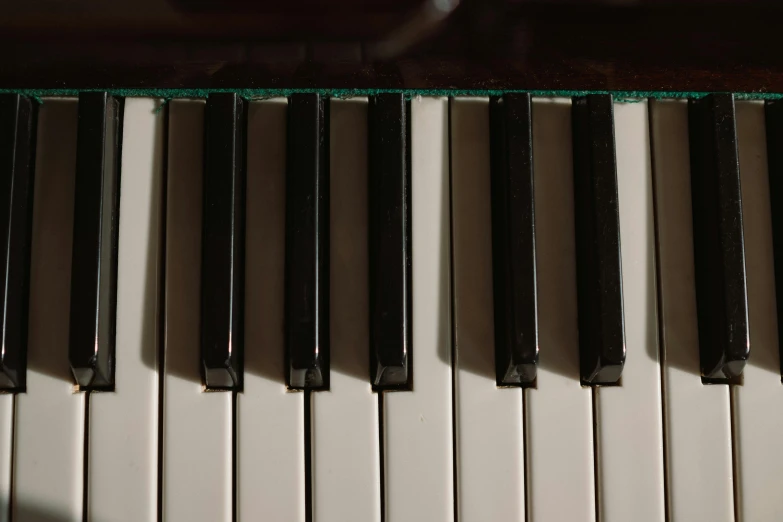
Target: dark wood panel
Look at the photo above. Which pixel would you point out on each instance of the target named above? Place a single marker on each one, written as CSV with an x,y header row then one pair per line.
x,y
695,47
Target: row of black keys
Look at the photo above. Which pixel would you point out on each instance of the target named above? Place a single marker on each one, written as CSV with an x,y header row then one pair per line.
x,y
717,222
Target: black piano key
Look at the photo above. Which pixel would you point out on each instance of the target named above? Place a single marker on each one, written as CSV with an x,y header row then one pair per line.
x,y
17,155
718,239
389,235
307,243
513,240
774,128
223,242
95,228
597,227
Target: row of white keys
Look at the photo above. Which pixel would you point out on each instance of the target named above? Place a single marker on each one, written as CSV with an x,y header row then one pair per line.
x,y
417,424
560,459
270,419
123,431
489,428
698,428
48,479
345,438
758,415
197,426
628,417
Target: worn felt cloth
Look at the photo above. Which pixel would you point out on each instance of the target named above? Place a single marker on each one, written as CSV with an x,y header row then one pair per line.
x,y
259,94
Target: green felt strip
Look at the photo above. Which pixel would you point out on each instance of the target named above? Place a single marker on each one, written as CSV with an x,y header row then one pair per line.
x,y
258,94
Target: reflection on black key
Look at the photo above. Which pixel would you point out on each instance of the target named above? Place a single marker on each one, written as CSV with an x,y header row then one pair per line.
x,y
774,127
718,240
17,142
513,240
223,242
597,227
307,243
95,227
389,214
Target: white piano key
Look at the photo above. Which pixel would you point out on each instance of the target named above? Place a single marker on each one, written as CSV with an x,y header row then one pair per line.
x,y
197,433
559,411
490,440
417,424
123,453
758,403
270,420
629,417
698,427
345,440
6,455
49,425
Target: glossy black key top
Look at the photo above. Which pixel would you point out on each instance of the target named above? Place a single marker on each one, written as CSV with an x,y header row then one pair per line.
x,y
597,227
389,235
307,243
95,228
17,154
774,128
513,240
718,238
223,242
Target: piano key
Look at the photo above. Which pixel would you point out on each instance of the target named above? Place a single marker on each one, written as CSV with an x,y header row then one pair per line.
x,y
17,149
197,427
721,295
346,469
599,269
417,425
94,269
489,425
6,454
698,428
513,241
270,420
620,441
629,418
123,482
223,242
389,239
49,419
774,137
758,416
559,418
307,243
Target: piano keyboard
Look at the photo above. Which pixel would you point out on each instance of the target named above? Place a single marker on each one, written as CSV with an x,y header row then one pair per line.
x,y
390,309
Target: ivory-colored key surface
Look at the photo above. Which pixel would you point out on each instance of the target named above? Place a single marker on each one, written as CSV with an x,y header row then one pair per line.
x,y
629,416
49,455
123,454
418,423
758,416
559,412
346,458
6,455
270,419
490,441
698,420
197,429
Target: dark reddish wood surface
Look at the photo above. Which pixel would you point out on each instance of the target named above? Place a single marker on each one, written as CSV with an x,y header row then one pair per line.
x,y
694,47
